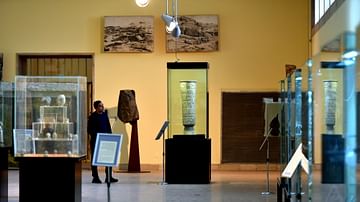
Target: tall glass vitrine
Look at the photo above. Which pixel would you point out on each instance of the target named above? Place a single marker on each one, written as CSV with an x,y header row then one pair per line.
x,y
336,119
188,98
188,141
291,128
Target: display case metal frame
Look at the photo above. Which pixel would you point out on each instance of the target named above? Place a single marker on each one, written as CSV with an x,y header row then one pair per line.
x,y
6,125
6,113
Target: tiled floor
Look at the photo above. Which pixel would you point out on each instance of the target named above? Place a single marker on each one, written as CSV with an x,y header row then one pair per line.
x,y
225,187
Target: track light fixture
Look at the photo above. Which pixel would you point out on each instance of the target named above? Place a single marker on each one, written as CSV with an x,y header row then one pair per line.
x,y
177,31
169,22
172,25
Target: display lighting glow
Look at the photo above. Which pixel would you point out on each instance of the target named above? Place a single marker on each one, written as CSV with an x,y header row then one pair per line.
x,y
318,72
142,3
348,62
350,54
309,63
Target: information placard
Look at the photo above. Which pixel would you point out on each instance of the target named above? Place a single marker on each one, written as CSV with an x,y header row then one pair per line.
x,y
297,158
107,149
162,130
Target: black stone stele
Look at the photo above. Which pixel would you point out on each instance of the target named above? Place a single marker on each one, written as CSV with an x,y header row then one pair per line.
x,y
128,113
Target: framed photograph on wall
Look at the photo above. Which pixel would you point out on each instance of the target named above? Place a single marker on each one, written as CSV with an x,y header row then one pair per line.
x,y
199,33
128,34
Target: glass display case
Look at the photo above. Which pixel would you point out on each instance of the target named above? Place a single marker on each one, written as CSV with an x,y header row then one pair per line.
x,y
329,96
6,113
287,130
50,116
330,81
188,98
188,141
291,128
336,113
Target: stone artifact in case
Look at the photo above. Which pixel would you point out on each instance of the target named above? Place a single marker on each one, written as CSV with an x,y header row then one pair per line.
x,y
187,98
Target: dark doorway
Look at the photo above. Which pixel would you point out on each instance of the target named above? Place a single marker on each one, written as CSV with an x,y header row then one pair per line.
x,y
243,128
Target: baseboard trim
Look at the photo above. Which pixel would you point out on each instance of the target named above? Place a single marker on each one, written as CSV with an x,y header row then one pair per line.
x,y
124,167
214,167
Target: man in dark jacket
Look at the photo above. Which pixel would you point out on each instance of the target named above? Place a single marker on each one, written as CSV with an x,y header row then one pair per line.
x,y
98,122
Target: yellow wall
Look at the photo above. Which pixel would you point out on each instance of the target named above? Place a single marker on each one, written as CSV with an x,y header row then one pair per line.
x,y
257,38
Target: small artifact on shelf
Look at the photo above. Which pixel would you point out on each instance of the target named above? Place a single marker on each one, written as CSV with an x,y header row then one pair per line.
x,y
46,100
61,100
53,132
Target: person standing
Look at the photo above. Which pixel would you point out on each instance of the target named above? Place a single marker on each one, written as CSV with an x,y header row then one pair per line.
x,y
98,122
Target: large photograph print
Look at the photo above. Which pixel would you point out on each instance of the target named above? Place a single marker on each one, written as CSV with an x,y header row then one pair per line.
x,y
128,34
199,33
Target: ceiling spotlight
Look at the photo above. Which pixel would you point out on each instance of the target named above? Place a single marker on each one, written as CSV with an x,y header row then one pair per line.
x,y
142,3
176,32
171,22
171,27
167,19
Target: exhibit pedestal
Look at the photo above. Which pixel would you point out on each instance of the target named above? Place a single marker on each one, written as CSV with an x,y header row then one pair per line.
x,y
40,178
333,159
188,159
134,155
4,174
282,190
